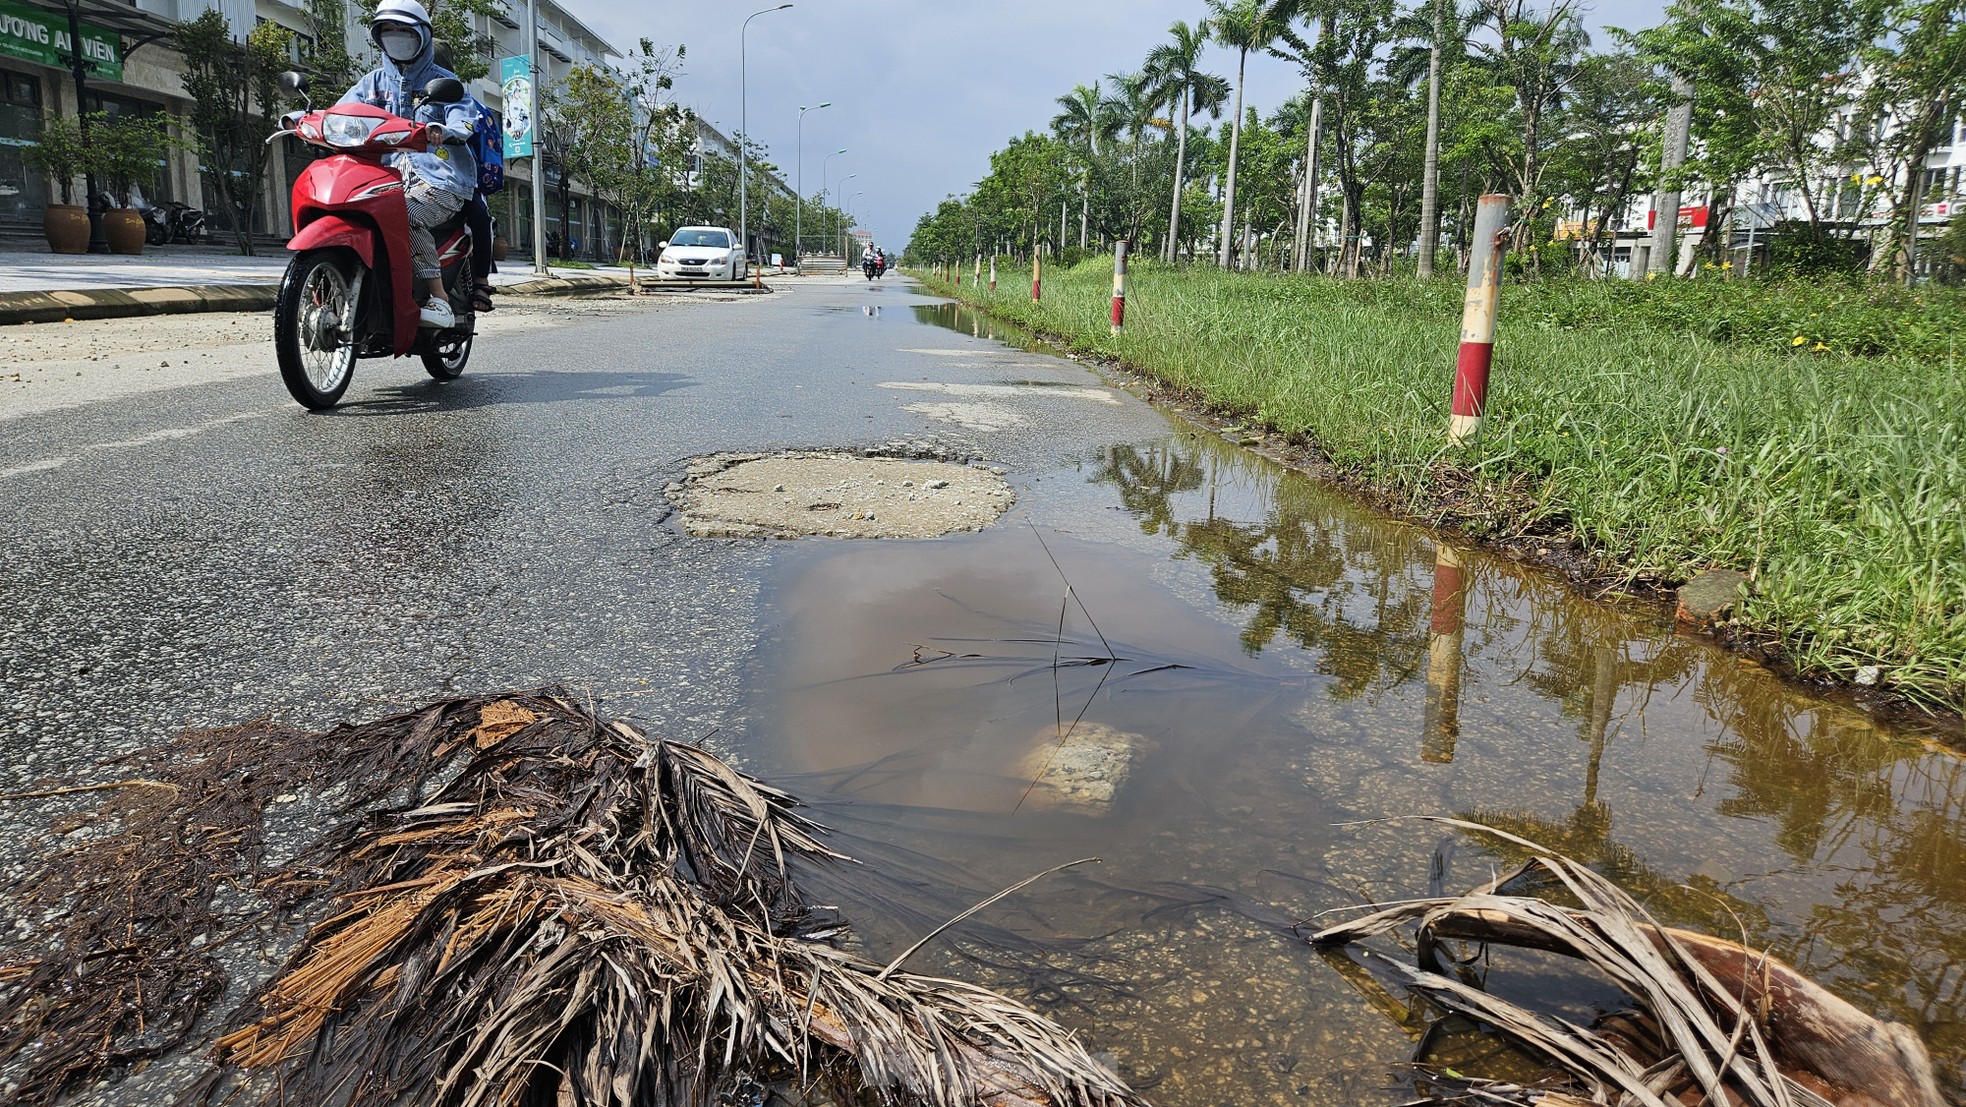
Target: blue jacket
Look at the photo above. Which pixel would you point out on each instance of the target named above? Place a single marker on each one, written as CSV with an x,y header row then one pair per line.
x,y
451,166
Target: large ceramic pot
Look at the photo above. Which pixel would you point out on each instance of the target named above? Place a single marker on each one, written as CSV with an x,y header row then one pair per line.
x,y
67,228
499,246
123,227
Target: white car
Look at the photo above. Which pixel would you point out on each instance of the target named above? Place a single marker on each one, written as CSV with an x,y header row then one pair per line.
x,y
701,253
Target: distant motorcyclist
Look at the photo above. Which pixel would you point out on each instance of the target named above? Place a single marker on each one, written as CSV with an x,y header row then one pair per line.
x,y
441,181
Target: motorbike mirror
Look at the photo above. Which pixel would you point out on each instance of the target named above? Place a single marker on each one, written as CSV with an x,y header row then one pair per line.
x,y
295,84
443,90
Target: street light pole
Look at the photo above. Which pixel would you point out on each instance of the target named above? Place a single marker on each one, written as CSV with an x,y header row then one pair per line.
x,y
539,143
799,221
743,125
837,212
847,207
824,164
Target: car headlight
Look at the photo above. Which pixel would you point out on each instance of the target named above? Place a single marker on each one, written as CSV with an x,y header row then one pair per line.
x,y
347,130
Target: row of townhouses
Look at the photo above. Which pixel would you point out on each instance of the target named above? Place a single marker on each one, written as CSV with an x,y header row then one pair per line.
x,y
130,66
1851,199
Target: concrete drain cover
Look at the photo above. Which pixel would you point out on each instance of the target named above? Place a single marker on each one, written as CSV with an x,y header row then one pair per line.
x,y
794,495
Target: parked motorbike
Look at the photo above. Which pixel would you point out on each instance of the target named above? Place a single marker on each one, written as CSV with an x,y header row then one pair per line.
x,y
349,291
173,221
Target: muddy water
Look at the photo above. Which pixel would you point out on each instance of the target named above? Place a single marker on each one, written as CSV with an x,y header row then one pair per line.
x,y
1245,667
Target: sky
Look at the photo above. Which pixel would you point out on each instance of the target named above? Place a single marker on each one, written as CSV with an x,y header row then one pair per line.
x,y
923,91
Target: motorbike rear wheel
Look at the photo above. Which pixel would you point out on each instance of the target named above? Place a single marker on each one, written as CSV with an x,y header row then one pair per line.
x,y
446,355
311,340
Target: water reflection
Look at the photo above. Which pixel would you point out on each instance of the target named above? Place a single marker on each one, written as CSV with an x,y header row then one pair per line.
x,y
1291,664
966,320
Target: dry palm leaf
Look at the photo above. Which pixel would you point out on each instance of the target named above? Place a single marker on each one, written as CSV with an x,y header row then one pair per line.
x,y
582,915
1735,1026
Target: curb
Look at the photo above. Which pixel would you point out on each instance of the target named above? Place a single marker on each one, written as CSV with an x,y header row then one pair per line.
x,y
116,303
120,303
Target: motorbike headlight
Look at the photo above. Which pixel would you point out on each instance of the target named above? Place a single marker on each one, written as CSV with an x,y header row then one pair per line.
x,y
347,130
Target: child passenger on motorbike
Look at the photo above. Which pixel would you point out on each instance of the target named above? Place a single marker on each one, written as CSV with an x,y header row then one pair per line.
x,y
436,183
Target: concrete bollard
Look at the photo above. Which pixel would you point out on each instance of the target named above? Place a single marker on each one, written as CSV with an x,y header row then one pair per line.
x,y
1490,239
976,274
993,272
1119,285
1444,659
1037,275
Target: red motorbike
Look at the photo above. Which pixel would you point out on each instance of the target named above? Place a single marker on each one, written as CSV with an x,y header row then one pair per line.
x,y
349,291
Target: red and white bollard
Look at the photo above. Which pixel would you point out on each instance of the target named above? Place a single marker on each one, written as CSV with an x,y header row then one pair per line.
x,y
1491,238
993,272
1119,285
1444,659
1037,274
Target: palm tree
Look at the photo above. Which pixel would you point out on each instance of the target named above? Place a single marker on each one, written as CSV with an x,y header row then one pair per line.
x,y
1087,117
1242,25
1176,66
1440,26
1134,108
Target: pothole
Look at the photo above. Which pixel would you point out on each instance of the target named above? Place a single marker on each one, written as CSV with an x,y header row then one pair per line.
x,y
836,495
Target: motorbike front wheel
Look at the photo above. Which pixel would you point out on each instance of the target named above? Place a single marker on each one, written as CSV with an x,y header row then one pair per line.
x,y
311,329
155,234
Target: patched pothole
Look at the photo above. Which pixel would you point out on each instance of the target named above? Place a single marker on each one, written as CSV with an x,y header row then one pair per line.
x,y
813,493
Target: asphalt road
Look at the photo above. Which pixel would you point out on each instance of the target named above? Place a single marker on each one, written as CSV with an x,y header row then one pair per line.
x,y
187,547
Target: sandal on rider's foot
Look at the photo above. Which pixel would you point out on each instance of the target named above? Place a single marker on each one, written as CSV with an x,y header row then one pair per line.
x,y
481,297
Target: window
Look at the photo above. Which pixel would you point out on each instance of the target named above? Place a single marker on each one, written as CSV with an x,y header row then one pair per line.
x,y
715,240
22,194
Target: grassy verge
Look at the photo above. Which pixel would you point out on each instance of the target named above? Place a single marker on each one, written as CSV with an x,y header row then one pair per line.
x,y
1670,427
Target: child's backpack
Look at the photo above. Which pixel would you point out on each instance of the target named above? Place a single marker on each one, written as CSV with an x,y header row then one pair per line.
x,y
488,147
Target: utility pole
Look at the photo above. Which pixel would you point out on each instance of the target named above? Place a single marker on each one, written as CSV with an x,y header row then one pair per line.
x,y
1665,208
539,143
1307,217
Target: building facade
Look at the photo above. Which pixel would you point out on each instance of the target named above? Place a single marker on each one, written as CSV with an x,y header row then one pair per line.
x,y
129,65
1848,198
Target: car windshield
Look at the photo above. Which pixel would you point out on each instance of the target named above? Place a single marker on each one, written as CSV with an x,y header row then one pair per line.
x,y
717,240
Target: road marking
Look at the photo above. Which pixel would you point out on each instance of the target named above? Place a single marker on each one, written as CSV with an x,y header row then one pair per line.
x,y
35,467
174,433
169,434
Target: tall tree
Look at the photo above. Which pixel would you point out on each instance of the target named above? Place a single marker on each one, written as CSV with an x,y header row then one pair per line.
x,y
1242,26
1534,52
1086,115
234,90
1177,65
1917,89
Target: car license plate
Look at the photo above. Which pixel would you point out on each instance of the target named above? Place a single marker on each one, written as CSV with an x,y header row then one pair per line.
x,y
694,272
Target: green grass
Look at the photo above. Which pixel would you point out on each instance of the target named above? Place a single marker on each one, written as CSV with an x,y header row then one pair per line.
x,y
572,264
1671,426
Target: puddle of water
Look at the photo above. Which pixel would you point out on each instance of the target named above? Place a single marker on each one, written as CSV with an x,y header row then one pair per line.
x,y
1247,661
966,320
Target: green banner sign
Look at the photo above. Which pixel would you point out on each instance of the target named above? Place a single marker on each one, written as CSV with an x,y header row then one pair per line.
x,y
38,36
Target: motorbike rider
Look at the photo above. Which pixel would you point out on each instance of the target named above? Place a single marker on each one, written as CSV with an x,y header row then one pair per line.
x,y
437,182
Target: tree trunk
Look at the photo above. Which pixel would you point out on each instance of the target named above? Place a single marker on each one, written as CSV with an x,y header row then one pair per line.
x,y
1430,174
1229,187
1169,249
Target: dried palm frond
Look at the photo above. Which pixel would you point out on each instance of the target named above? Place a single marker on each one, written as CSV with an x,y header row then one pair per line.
x,y
583,915
1728,1025
109,955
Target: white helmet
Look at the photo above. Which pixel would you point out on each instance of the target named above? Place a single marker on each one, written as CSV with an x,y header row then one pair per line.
x,y
396,45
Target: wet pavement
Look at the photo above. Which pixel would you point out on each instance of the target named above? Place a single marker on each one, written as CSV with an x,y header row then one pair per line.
x,y
1171,654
